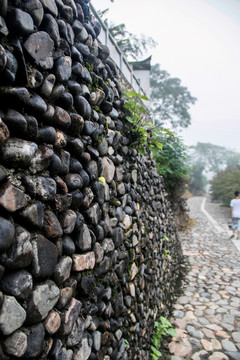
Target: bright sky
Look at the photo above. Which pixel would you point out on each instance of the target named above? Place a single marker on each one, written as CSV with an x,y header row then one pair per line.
x,y
198,42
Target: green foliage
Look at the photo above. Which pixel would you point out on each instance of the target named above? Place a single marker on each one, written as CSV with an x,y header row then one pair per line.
x,y
198,181
170,100
143,133
102,180
163,327
207,157
225,183
172,164
126,343
165,238
167,255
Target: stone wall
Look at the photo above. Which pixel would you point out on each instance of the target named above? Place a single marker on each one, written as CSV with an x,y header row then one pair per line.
x,y
89,254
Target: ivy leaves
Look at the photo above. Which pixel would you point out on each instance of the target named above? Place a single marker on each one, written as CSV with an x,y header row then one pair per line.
x,y
144,134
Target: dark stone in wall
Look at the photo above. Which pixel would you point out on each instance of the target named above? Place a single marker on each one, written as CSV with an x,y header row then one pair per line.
x,y
81,212
7,232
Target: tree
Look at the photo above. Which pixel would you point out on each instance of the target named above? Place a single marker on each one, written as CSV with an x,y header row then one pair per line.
x,y
214,157
170,100
133,47
209,158
198,181
225,183
172,164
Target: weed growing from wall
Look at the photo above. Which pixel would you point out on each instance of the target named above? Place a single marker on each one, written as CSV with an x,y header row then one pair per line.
x,y
163,327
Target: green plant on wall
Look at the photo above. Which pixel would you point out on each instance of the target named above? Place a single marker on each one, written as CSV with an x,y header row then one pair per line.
x,y
167,255
144,134
163,327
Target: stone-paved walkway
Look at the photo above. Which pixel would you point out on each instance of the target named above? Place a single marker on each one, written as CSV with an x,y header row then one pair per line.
x,y
207,314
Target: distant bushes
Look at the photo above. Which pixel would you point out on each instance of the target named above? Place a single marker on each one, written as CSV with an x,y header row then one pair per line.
x,y
225,183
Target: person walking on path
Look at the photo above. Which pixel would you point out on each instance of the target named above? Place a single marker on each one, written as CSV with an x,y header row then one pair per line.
x,y
235,215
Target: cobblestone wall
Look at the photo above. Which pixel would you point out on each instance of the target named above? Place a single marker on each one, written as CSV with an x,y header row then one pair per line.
x,y
89,254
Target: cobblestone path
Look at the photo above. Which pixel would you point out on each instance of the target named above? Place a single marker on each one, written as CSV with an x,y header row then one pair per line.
x,y
207,314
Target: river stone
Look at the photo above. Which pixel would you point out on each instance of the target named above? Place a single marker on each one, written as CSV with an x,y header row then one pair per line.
x,y
85,177
50,7
99,253
103,52
35,336
35,9
40,46
108,245
45,256
8,76
68,246
3,7
63,68
36,105
21,253
51,226
68,220
32,127
35,79
118,236
62,270
52,322
108,169
11,198
217,355
18,152
83,239
3,27
84,350
45,188
99,192
88,197
3,174
94,214
76,126
47,85
16,344
3,58
83,262
92,170
228,345
18,284
47,134
70,316
20,22
75,166
89,127
4,132
76,147
49,24
7,232
73,181
233,355
66,295
82,106
43,298
42,159
118,304
12,315
104,266
15,121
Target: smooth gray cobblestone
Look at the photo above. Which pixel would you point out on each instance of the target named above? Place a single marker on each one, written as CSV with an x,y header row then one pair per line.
x,y
207,314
